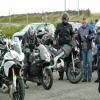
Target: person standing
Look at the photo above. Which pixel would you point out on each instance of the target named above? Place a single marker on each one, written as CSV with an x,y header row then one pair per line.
x,y
64,33
86,36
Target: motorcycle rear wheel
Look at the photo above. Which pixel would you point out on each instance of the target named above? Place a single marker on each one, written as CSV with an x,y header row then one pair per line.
x,y
74,77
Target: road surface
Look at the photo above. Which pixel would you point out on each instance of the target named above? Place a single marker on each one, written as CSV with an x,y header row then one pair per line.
x,y
61,90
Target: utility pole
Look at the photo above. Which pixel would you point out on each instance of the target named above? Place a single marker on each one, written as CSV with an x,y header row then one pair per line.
x,y
42,16
46,17
9,17
27,18
78,9
64,5
10,28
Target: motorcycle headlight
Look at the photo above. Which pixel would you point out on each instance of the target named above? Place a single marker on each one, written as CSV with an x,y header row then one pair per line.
x,y
76,49
47,58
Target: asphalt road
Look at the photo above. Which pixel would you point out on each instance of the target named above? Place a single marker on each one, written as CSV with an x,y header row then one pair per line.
x,y
61,90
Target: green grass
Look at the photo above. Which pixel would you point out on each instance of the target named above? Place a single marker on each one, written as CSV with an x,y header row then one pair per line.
x,y
21,19
10,30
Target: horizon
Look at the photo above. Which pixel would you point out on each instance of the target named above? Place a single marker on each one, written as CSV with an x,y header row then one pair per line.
x,y
45,13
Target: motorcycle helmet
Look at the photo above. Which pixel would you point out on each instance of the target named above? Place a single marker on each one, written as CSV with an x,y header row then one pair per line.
x,y
65,18
31,31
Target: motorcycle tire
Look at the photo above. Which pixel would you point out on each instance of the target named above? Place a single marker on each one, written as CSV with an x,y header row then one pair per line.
x,y
74,77
47,78
20,94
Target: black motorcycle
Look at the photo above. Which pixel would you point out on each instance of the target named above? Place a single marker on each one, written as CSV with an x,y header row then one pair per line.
x,y
38,61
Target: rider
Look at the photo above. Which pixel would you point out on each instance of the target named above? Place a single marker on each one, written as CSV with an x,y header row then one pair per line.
x,y
27,48
64,33
29,41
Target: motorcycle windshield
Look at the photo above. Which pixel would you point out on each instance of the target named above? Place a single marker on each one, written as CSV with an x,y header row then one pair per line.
x,y
17,45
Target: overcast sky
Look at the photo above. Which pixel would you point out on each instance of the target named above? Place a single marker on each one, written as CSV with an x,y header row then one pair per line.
x,y
31,6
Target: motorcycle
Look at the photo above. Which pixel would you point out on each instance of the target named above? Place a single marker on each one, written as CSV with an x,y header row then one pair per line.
x,y
39,61
11,70
3,49
71,64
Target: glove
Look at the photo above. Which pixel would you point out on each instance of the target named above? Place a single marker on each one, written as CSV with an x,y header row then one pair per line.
x,y
90,37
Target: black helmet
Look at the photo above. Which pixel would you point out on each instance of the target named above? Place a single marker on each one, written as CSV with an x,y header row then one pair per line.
x,y
65,17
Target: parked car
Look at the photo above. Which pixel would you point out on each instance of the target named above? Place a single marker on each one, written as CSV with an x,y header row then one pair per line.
x,y
39,27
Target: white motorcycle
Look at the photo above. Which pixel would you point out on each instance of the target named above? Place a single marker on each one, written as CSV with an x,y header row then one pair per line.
x,y
12,70
70,64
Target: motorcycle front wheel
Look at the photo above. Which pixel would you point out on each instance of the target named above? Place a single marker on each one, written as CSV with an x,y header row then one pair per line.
x,y
47,78
20,90
74,76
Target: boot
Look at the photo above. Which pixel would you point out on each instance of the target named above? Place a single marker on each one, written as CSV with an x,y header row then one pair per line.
x,y
26,85
1,81
39,84
61,74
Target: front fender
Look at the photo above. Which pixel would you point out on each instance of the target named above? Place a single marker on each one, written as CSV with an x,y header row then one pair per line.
x,y
7,66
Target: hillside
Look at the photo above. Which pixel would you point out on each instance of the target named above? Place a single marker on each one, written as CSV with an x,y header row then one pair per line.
x,y
52,17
